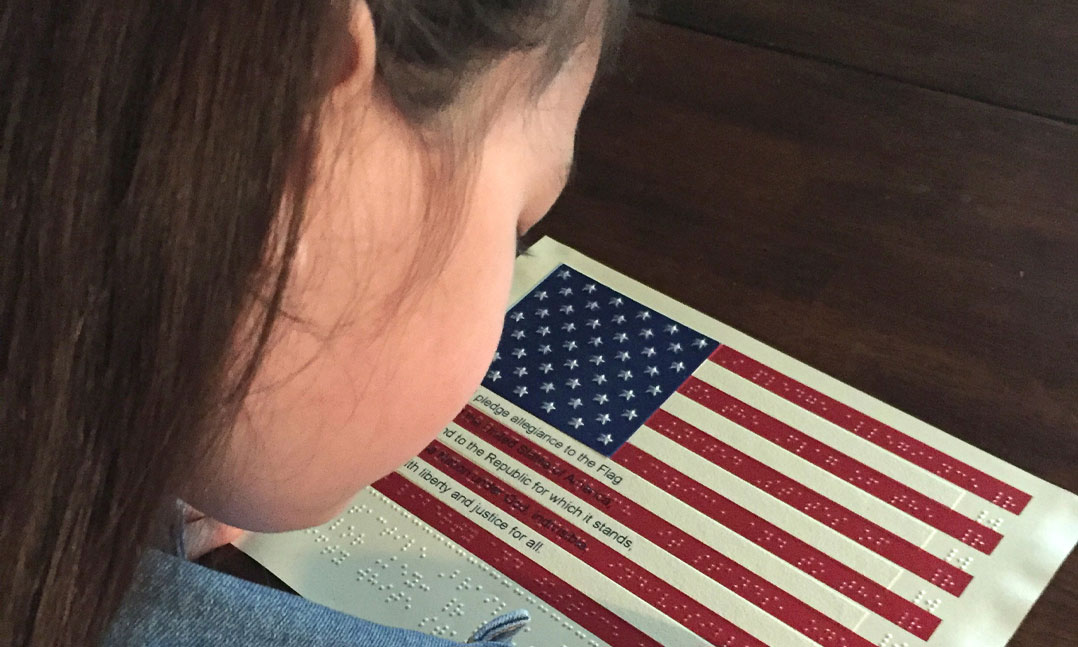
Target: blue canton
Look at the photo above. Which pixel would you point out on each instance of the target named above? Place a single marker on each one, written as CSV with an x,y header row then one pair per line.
x,y
590,361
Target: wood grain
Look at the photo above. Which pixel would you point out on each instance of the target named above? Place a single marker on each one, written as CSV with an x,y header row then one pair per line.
x,y
1016,53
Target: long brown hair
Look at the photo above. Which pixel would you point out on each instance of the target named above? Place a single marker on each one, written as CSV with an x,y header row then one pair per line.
x,y
145,151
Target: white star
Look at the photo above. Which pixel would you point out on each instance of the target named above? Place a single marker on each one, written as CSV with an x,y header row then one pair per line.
x,y
675,348
546,368
521,390
568,326
601,398
542,313
671,328
623,355
541,295
564,274
569,345
602,418
621,337
567,309
547,387
595,341
589,288
654,389
599,378
516,316
565,292
572,363
543,330
615,301
643,314
572,383
652,371
497,356
597,360
619,319
576,403
494,376
678,366
592,305
629,414
576,423
518,334
628,395
646,333
594,323
699,343
520,371
625,375
649,351
519,352
548,406
606,439
544,349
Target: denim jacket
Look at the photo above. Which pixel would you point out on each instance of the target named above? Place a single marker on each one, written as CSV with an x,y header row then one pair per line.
x,y
177,603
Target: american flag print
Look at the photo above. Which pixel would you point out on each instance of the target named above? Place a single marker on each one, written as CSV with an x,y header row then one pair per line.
x,y
747,502
593,362
662,401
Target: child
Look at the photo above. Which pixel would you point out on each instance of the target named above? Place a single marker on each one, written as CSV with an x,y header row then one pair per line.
x,y
252,255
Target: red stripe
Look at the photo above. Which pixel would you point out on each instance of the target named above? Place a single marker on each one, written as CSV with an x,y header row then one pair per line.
x,y
854,472
542,583
635,578
872,595
965,476
692,551
842,520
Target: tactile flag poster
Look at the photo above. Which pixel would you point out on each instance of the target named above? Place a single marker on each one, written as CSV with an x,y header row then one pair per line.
x,y
635,473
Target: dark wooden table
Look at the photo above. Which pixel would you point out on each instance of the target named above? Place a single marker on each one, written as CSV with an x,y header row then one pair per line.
x,y
904,222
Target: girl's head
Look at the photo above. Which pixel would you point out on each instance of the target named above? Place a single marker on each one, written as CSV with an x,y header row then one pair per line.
x,y
253,254
401,273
